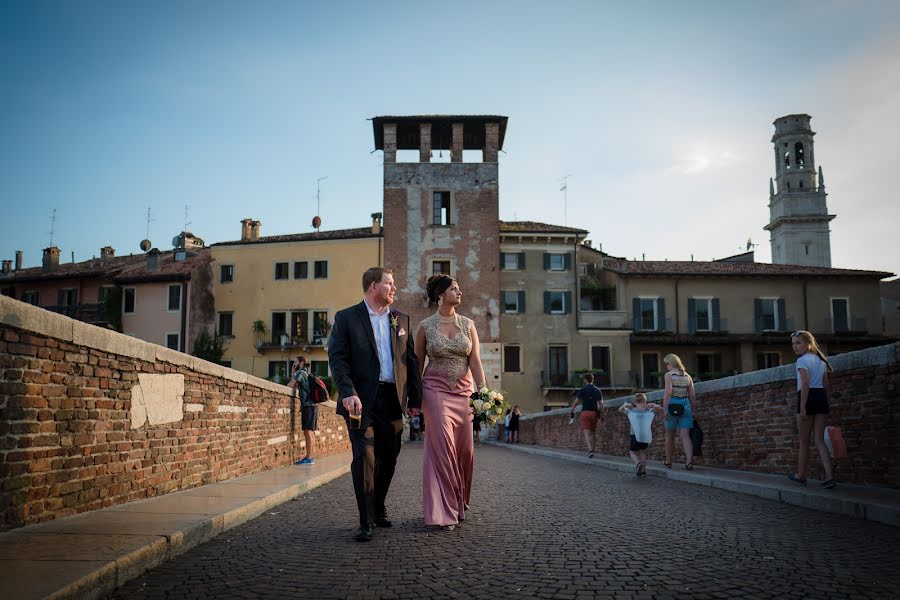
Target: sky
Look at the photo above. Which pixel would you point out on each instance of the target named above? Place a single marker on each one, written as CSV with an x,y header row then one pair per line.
x,y
661,113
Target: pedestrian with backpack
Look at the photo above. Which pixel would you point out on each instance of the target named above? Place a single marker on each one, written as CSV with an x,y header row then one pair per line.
x,y
309,410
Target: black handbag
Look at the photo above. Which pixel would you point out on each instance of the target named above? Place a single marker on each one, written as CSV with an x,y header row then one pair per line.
x,y
676,410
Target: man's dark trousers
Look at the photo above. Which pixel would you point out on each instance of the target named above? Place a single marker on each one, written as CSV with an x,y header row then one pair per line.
x,y
375,451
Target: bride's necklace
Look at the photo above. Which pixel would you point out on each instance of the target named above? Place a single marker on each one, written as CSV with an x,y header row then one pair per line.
x,y
451,320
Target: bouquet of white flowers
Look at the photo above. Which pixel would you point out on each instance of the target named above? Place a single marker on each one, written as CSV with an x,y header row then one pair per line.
x,y
488,405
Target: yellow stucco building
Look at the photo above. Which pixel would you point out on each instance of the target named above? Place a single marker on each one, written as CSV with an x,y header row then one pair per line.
x,y
276,296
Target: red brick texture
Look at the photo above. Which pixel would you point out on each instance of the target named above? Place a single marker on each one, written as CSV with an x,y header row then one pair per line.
x,y
66,443
754,428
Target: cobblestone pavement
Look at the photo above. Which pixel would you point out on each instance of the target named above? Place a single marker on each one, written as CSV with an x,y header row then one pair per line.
x,y
545,528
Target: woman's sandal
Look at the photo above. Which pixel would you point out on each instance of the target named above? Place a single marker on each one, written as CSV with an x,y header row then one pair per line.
x,y
688,466
667,464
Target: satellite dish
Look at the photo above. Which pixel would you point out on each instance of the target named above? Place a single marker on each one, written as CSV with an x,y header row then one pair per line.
x,y
176,241
317,221
145,245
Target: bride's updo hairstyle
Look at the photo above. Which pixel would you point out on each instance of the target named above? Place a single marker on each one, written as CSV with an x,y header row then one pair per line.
x,y
436,285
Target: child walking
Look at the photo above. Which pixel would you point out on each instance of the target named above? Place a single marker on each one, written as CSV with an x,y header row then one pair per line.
x,y
812,404
640,417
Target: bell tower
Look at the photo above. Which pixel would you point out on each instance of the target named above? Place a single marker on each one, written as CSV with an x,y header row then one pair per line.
x,y
443,215
798,215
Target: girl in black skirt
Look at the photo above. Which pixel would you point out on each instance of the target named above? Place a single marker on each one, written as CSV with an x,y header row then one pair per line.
x,y
812,404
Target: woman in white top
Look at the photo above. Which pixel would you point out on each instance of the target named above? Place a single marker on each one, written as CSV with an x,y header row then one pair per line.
x,y
812,404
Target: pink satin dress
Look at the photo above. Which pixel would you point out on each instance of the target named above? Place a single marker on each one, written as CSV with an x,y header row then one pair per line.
x,y
449,443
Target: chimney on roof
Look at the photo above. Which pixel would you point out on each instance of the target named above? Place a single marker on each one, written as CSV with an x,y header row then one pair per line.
x,y
7,267
254,230
153,262
107,252
245,229
18,260
587,243
51,258
376,223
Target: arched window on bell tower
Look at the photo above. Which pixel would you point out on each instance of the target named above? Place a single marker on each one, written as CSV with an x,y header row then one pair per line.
x,y
798,154
787,160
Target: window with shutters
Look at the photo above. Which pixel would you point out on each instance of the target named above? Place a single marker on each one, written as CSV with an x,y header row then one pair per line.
x,y
226,324
709,365
557,262
513,301
840,315
301,270
174,300
557,303
281,270
559,365
32,297
601,365
128,300
512,358
512,261
648,314
173,341
769,319
68,296
768,360
279,326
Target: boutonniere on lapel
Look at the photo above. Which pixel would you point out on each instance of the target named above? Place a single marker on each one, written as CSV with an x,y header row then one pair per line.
x,y
395,322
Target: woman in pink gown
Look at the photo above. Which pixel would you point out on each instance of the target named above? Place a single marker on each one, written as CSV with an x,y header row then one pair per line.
x,y
450,342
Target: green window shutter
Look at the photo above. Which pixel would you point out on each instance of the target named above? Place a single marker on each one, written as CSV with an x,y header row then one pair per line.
x,y
546,301
636,314
567,261
521,302
521,261
716,321
546,261
782,316
692,315
502,302
502,262
567,302
757,309
661,304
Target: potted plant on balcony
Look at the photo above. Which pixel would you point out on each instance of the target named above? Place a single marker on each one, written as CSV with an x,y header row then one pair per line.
x,y
259,330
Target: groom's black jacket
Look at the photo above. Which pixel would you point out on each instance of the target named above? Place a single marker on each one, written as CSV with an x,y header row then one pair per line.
x,y
353,357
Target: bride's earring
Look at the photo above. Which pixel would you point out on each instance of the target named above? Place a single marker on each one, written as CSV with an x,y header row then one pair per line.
x,y
440,301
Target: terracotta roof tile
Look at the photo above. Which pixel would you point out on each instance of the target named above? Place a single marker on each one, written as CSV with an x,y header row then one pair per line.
x,y
656,268
94,267
535,227
169,268
891,290
337,234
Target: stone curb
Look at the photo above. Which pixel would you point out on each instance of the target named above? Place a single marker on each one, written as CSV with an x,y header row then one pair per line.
x,y
886,511
108,577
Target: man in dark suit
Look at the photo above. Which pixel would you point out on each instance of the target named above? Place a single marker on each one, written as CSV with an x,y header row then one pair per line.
x,y
377,374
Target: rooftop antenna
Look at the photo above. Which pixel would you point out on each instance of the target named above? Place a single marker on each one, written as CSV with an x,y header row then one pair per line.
x,y
564,188
145,243
317,220
149,220
52,225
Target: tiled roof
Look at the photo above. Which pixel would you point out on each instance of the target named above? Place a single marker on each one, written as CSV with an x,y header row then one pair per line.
x,y
535,227
169,268
94,267
891,290
337,234
656,268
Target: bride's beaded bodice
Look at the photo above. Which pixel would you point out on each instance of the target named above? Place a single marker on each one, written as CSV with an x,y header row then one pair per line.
x,y
448,357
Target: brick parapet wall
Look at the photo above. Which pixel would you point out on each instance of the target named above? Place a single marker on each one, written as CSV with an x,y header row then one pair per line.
x,y
749,420
67,442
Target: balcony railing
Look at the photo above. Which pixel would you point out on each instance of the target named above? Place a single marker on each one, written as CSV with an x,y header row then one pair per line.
x,y
848,326
603,319
285,341
658,326
574,381
767,325
89,313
